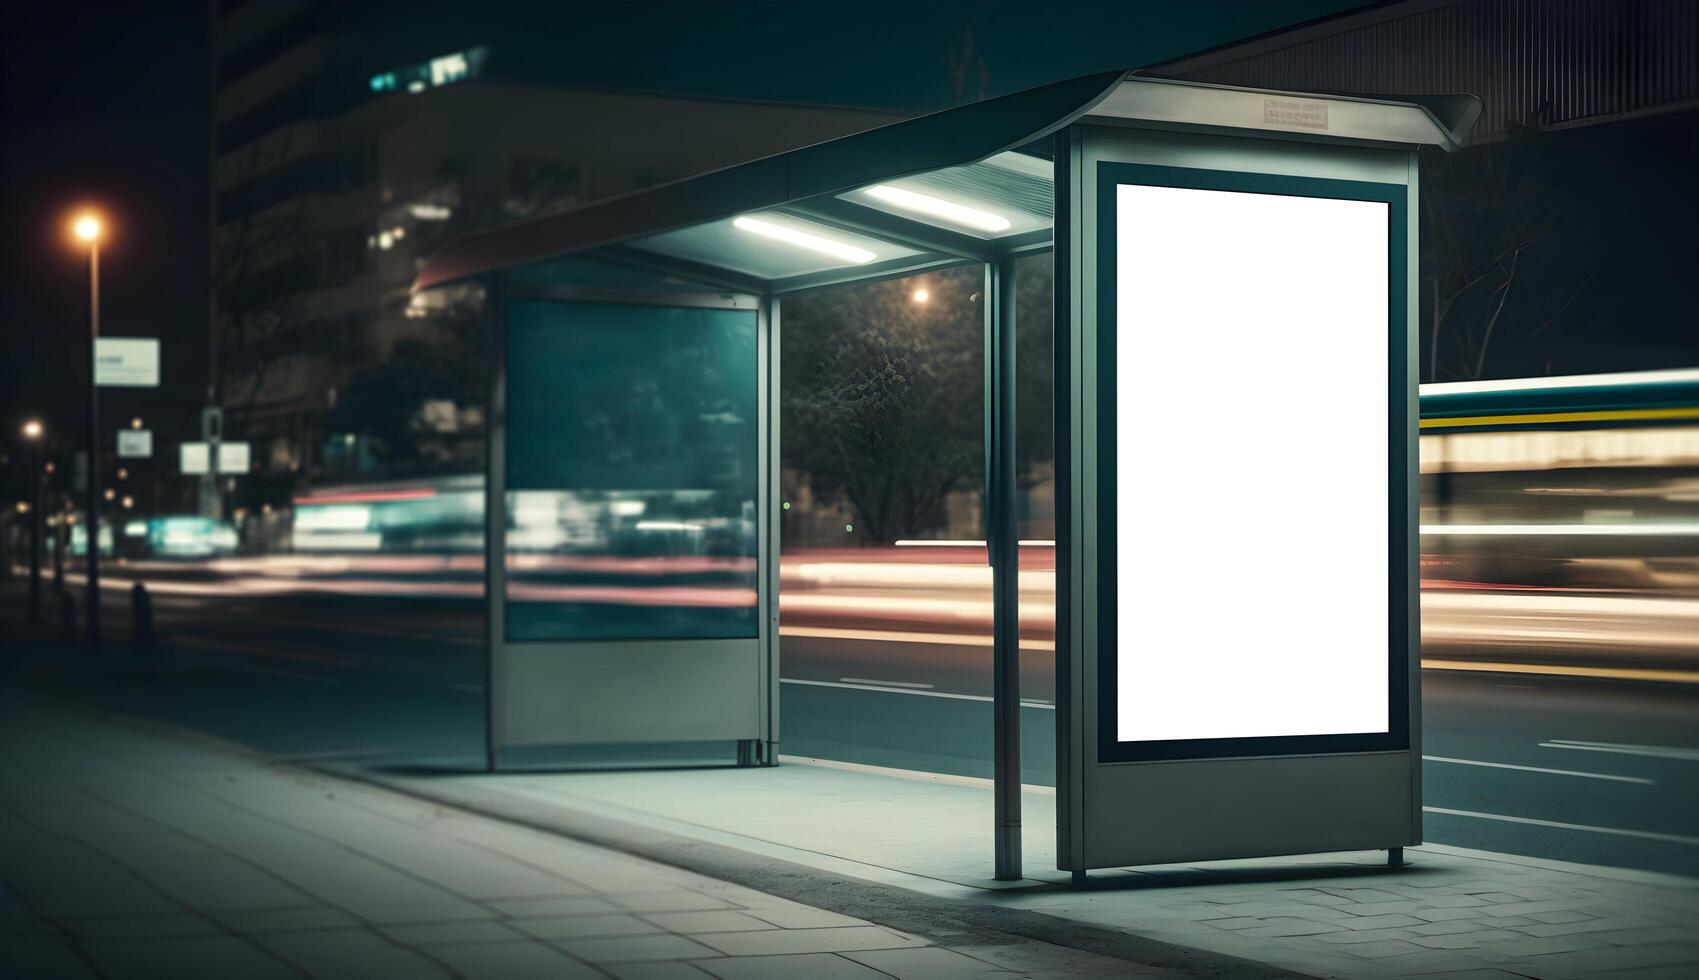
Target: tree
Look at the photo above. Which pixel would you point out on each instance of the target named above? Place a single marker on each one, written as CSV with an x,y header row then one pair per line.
x,y
1498,255
390,403
883,398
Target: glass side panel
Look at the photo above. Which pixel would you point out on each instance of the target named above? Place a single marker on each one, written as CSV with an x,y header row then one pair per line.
x,y
885,594
631,472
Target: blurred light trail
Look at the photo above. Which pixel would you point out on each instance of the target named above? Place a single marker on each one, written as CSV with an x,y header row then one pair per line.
x,y
1676,376
1540,769
1565,530
1620,748
1568,670
1560,825
361,497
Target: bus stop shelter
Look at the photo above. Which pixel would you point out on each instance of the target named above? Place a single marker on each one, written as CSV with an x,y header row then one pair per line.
x,y
1205,240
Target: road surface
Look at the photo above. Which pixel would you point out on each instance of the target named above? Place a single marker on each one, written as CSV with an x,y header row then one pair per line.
x,y
1593,770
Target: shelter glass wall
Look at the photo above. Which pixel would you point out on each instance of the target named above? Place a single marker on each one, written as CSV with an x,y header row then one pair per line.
x,y
631,472
885,593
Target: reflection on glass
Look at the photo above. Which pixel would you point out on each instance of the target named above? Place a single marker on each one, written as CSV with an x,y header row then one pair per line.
x,y
884,588
631,472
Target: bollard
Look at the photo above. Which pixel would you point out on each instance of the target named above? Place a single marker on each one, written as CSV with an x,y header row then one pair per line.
x,y
68,615
141,613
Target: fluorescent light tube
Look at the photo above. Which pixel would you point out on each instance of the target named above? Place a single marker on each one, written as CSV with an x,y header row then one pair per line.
x,y
803,239
937,207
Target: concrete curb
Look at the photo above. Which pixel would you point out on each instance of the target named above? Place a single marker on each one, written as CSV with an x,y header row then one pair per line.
x,y
947,921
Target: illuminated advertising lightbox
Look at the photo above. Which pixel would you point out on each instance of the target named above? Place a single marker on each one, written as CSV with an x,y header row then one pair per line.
x,y
1252,444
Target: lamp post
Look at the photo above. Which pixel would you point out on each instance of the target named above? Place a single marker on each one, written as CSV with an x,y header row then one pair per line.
x,y
87,229
33,430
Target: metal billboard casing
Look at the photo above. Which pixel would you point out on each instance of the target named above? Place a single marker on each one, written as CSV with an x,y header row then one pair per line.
x,y
1164,800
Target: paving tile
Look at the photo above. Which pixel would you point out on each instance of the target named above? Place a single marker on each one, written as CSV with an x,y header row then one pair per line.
x,y
814,966
772,942
287,920
1240,922
927,963
1652,936
1456,927
718,920
438,933
40,958
1383,908
1584,926
1380,921
1348,937
181,925
670,901
625,949
1561,915
569,905
1451,914
1428,963
803,917
355,954
1381,950
1541,947
1281,928
213,956
656,971
512,961
586,926
1683,955
1467,940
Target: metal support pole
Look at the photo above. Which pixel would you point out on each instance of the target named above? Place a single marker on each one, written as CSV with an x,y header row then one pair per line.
x,y
94,450
35,534
1002,548
495,522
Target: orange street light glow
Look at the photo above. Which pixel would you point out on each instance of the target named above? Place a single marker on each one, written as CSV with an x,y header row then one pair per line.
x,y
87,228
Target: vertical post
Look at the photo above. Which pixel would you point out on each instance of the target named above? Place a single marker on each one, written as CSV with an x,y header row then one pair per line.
x,y
35,533
94,449
770,549
1002,548
495,519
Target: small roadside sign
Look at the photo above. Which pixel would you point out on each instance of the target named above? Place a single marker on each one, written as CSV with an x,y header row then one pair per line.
x,y
135,443
126,362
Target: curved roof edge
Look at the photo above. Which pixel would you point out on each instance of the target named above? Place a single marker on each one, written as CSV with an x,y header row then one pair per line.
x,y
941,139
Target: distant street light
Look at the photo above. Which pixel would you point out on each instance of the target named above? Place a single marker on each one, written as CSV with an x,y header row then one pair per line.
x,y
136,422
33,431
88,230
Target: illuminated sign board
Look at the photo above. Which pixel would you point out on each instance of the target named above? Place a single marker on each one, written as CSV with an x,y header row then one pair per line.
x,y
126,362
234,458
135,443
1250,600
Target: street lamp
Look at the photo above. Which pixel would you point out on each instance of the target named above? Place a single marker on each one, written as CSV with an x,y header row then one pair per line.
x,y
87,229
33,431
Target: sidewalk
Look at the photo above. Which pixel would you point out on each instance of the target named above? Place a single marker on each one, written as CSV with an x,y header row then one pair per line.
x,y
1451,913
127,850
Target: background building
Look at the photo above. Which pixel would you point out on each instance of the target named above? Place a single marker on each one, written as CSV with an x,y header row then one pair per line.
x,y
348,142
1557,241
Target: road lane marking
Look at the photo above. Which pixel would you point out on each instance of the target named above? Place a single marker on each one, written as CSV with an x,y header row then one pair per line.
x,y
1558,824
1554,772
1563,670
1624,748
1041,705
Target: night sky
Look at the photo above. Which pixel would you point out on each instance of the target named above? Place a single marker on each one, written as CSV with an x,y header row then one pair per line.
x,y
106,102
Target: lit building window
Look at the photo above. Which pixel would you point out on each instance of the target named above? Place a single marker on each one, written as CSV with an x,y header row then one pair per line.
x,y
446,70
